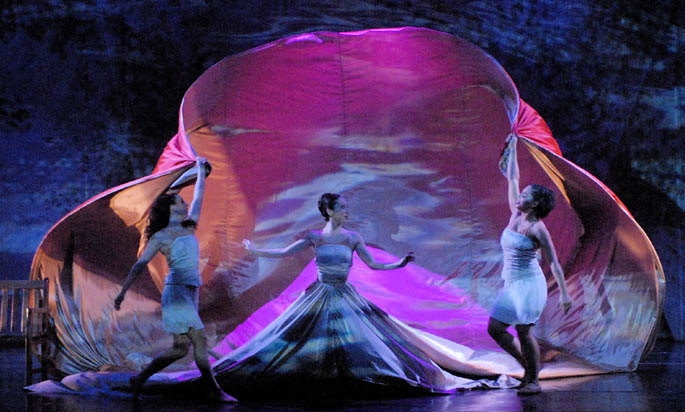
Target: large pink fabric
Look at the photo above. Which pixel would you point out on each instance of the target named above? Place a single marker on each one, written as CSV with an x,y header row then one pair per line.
x,y
407,124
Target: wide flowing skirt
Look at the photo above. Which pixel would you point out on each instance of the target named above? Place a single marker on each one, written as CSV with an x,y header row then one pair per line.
x,y
332,341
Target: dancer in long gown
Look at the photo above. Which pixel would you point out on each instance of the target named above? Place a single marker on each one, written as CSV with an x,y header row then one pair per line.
x,y
332,340
171,231
524,295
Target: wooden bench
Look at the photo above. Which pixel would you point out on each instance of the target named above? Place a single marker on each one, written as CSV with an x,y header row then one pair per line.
x,y
24,317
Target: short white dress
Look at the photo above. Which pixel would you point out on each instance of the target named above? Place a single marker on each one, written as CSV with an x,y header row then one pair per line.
x,y
525,288
181,287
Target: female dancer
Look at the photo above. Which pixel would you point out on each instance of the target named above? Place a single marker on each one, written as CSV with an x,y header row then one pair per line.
x,y
521,301
332,340
171,231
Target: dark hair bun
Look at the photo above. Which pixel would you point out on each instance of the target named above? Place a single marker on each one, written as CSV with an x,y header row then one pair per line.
x,y
327,202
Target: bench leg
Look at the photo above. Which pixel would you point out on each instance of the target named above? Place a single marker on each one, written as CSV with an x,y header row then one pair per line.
x,y
28,355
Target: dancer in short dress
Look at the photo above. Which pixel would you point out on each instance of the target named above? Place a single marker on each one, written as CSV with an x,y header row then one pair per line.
x,y
524,295
171,231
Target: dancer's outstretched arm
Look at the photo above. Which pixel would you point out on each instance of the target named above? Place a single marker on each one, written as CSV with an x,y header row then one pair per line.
x,y
291,249
367,258
513,173
198,194
151,249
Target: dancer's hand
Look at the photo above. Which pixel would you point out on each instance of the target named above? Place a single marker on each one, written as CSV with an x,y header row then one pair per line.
x,y
248,245
565,302
118,300
409,257
203,162
511,139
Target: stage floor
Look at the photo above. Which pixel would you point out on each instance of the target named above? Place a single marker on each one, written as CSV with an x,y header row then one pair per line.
x,y
658,385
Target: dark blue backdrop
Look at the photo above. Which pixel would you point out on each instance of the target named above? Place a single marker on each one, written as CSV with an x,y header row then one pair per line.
x,y
89,93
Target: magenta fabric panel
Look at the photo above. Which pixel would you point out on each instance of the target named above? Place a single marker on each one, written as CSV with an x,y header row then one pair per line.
x,y
177,152
532,126
407,125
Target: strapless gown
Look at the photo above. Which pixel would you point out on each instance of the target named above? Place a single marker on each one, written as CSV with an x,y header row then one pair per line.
x,y
525,289
331,341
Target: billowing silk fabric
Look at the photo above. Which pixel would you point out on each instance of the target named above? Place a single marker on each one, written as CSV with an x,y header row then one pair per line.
x,y
405,123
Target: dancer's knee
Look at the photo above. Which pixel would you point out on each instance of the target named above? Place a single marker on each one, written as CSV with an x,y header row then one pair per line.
x,y
180,348
496,328
494,332
198,338
524,332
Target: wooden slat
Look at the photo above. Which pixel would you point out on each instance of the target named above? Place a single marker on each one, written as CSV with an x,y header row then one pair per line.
x,y
15,318
37,301
28,355
3,310
37,298
26,296
18,284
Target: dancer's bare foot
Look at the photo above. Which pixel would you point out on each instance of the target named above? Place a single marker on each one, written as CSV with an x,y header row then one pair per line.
x,y
136,384
530,388
221,397
524,381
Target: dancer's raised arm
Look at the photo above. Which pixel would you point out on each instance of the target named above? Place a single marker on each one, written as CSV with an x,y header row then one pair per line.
x,y
297,246
366,257
512,173
198,194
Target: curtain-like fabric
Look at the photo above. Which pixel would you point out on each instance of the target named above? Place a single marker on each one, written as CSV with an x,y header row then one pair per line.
x,y
407,125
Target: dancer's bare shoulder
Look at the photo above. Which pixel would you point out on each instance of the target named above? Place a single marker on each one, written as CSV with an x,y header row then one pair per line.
x,y
538,231
353,238
163,239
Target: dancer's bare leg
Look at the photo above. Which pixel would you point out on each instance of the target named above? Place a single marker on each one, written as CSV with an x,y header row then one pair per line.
x,y
498,332
213,354
531,354
179,349
199,340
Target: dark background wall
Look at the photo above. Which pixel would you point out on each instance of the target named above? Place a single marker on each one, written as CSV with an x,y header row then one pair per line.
x,y
90,91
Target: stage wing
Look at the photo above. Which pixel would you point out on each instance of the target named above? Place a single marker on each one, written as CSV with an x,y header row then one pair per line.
x,y
407,124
